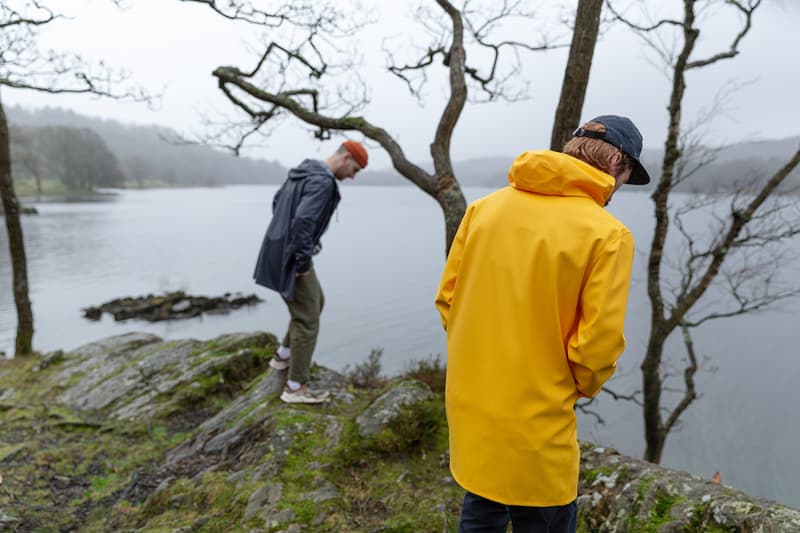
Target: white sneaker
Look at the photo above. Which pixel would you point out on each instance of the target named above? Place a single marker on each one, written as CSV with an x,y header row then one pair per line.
x,y
304,395
279,364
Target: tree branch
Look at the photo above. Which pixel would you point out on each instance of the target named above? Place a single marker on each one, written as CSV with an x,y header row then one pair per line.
x,y
688,377
10,17
739,219
318,16
286,101
747,11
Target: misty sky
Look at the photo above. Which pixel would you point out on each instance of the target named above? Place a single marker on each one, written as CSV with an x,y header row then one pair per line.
x,y
172,47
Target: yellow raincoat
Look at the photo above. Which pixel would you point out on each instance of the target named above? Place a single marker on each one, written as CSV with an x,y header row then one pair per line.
x,y
533,300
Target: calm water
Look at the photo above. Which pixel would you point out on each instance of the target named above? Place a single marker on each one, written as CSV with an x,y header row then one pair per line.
x,y
379,268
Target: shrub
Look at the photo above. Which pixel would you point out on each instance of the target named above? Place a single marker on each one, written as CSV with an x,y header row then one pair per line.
x,y
430,371
415,426
367,374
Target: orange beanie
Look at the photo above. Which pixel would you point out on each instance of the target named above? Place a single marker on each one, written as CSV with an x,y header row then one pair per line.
x,y
358,152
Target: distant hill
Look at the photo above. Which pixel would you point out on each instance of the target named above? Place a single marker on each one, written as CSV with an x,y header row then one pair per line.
x,y
144,152
477,172
740,162
736,163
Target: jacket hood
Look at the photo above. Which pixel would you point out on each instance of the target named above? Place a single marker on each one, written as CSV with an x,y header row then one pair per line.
x,y
557,174
310,167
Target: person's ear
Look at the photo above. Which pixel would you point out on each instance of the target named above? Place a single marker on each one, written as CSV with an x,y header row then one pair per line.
x,y
615,164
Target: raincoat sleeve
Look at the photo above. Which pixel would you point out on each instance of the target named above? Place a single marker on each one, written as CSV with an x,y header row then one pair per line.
x,y
598,340
444,296
316,194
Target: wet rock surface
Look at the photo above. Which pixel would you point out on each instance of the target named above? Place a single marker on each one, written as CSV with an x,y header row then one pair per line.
x,y
620,493
170,306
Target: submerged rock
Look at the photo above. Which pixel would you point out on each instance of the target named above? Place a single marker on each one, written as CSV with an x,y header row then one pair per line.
x,y
23,210
170,306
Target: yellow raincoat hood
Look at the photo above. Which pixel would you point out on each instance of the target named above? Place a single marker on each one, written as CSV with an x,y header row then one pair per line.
x,y
533,299
552,173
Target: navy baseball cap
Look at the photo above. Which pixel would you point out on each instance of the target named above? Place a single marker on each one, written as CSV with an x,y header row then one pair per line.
x,y
622,134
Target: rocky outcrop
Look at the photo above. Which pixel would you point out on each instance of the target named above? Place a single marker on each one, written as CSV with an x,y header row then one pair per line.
x,y
134,433
170,306
137,375
623,494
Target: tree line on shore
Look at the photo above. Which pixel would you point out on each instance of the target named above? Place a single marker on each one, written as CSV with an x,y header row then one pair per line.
x,y
56,150
80,153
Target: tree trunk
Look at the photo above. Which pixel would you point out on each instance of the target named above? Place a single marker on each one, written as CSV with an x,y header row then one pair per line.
x,y
453,204
38,177
576,74
660,326
24,344
654,435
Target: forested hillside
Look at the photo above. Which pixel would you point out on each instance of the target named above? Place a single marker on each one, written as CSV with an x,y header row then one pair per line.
x,y
83,152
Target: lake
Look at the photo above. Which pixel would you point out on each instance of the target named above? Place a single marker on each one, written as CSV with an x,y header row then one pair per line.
x,y
379,268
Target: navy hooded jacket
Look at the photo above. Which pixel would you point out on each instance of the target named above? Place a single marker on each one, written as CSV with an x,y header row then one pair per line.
x,y
301,211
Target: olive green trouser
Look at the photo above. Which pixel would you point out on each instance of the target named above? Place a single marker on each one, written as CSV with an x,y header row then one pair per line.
x,y
303,330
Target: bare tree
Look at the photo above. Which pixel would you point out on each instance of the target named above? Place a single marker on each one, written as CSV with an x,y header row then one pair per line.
x,y
288,78
24,66
724,254
576,74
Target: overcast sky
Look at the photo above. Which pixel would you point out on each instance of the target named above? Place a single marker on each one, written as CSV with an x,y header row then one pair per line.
x,y
172,47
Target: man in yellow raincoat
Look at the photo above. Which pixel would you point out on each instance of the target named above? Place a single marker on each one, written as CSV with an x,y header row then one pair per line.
x,y
533,299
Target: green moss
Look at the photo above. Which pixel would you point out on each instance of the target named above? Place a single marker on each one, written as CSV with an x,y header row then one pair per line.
x,y
350,449
641,493
591,475
583,527
702,521
104,485
414,426
9,450
644,486
660,514
355,122
209,504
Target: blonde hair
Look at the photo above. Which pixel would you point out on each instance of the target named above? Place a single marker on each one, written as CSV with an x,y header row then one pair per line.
x,y
595,152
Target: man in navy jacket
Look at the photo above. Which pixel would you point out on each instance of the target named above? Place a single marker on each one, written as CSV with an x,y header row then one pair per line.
x,y
301,211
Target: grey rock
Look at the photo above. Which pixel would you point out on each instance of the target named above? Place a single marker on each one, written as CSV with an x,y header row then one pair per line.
x,y
269,385
180,307
327,491
7,520
625,484
236,477
280,517
128,374
387,406
256,502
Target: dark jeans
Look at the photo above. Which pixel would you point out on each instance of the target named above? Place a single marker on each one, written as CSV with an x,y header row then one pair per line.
x,y
479,515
